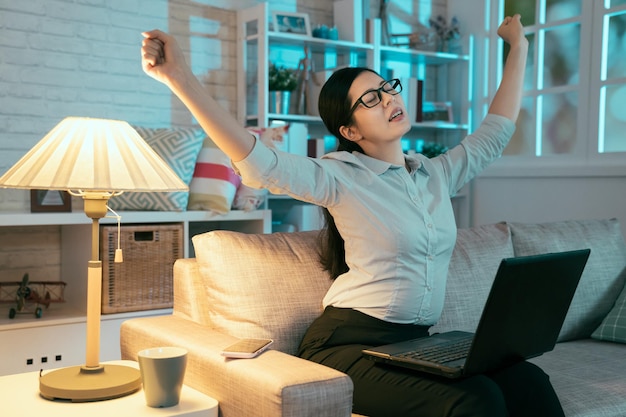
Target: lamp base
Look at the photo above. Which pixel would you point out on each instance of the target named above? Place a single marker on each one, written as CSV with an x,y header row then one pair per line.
x,y
82,384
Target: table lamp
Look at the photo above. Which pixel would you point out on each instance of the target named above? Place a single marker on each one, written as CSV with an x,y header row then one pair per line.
x,y
96,159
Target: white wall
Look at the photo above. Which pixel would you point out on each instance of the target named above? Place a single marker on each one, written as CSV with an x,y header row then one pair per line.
x,y
549,198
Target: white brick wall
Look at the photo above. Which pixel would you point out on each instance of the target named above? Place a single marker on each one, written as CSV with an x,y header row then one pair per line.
x,y
60,58
81,57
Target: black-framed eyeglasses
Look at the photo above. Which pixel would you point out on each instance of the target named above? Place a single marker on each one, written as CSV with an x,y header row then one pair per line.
x,y
372,97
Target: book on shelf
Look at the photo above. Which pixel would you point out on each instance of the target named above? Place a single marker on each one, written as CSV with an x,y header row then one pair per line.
x,y
316,147
419,100
413,96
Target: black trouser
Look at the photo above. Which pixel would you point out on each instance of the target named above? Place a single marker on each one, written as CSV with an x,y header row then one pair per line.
x,y
337,337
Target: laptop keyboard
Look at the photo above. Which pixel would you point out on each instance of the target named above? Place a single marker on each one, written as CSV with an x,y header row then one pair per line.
x,y
440,354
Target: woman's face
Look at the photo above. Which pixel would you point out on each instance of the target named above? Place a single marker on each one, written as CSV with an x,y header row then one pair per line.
x,y
384,122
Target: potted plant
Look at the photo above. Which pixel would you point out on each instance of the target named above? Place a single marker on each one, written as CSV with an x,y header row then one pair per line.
x,y
282,81
448,33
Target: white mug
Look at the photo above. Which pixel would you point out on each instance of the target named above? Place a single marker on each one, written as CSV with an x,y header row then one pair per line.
x,y
162,374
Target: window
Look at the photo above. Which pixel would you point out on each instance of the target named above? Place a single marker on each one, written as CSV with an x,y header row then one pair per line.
x,y
575,86
547,122
612,80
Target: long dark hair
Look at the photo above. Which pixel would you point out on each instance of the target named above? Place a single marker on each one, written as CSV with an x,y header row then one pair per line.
x,y
334,106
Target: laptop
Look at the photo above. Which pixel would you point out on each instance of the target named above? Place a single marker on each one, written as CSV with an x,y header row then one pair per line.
x,y
522,318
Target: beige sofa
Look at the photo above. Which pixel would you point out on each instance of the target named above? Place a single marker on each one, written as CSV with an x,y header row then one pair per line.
x,y
271,286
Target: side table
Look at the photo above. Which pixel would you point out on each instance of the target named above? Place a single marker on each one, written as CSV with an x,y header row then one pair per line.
x,y
19,397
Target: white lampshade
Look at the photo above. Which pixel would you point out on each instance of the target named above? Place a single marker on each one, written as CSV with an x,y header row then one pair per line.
x,y
92,154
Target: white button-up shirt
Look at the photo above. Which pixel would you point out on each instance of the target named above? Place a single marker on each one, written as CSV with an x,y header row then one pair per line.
x,y
398,225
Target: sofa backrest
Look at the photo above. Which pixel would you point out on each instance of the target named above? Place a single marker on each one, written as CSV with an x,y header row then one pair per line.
x,y
272,285
475,260
604,274
478,251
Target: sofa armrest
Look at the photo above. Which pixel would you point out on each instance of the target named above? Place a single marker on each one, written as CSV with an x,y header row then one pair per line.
x,y
273,384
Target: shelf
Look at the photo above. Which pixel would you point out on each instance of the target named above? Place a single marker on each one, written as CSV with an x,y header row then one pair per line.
x,y
75,252
314,44
445,72
389,53
58,314
440,125
303,118
445,75
279,197
77,217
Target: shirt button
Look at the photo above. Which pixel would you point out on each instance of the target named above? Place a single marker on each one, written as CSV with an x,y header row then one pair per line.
x,y
429,225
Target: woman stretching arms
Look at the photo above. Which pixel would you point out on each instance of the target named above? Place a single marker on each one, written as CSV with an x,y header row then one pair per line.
x,y
390,228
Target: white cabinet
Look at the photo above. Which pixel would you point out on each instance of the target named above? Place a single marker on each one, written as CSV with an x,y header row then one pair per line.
x,y
60,332
446,81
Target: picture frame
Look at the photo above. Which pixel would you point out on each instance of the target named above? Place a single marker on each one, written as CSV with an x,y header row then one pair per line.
x,y
437,112
294,23
50,201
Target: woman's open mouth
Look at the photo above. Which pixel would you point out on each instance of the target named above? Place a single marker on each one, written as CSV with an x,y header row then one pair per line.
x,y
396,114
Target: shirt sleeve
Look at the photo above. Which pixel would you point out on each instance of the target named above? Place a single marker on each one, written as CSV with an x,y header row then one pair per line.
x,y
479,149
306,179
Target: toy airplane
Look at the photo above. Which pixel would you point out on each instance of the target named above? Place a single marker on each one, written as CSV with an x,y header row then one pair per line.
x,y
31,296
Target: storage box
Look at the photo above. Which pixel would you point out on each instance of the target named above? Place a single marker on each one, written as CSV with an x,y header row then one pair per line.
x,y
144,280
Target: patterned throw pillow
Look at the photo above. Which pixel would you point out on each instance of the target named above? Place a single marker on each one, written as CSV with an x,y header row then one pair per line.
x,y
215,185
179,148
613,327
214,181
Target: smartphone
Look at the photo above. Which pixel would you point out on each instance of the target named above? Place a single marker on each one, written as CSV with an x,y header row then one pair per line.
x,y
247,348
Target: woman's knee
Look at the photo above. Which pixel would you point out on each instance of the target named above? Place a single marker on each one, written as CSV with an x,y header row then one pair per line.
x,y
521,374
478,396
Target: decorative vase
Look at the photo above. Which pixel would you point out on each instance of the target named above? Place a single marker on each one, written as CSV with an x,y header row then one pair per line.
x,y
279,102
453,46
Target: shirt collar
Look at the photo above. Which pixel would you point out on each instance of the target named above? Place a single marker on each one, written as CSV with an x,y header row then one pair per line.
x,y
416,163
377,166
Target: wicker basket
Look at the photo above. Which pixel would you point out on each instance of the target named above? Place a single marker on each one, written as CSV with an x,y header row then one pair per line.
x,y
144,280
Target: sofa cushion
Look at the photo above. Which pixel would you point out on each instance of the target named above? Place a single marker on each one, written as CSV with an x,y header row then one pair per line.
x,y
588,377
179,148
613,327
475,260
262,285
603,277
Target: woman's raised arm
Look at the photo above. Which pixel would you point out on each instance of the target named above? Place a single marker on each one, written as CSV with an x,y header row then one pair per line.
x,y
508,98
163,60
